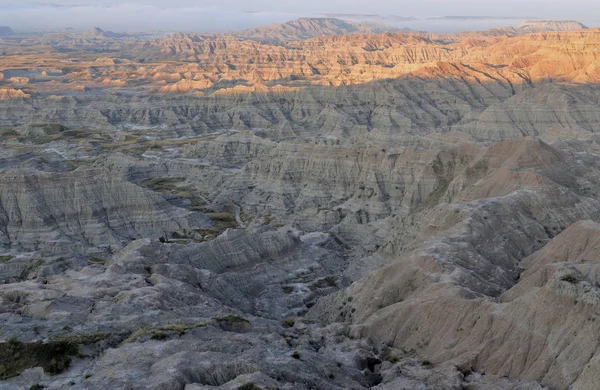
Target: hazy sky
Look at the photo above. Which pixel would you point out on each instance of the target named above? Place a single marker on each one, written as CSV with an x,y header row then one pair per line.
x,y
222,15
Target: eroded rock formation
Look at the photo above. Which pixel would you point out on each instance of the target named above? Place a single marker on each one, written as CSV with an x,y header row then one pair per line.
x,y
385,211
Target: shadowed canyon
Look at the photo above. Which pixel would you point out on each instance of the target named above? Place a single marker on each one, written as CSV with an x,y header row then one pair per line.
x,y
314,205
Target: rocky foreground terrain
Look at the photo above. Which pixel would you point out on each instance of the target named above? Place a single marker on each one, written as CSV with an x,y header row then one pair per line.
x,y
393,211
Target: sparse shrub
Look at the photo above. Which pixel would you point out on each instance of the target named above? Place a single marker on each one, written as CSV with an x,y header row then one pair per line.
x,y
230,318
36,386
249,386
570,278
5,259
221,222
159,336
287,289
288,322
465,370
180,328
426,363
326,282
53,356
296,355
57,366
221,217
153,331
96,261
233,323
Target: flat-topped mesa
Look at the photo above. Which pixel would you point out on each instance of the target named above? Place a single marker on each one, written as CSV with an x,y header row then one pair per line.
x,y
535,26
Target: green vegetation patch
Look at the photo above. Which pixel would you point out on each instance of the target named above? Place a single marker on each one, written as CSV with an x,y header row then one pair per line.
x,y
435,196
570,278
9,133
170,186
221,221
5,259
159,336
127,142
287,289
233,323
163,332
478,170
465,370
156,144
96,261
78,134
80,339
288,322
249,386
162,185
325,282
230,318
74,164
221,217
54,356
182,328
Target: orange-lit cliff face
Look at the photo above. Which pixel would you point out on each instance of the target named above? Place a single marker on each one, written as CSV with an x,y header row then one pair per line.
x,y
487,85
181,63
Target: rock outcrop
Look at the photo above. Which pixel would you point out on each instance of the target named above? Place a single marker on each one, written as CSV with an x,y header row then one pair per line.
x,y
305,28
88,209
537,26
98,33
6,31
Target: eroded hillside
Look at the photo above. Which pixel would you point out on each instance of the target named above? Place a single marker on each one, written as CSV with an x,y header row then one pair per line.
x,y
392,211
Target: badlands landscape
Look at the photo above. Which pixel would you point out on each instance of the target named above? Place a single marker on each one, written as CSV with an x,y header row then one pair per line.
x,y
315,205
